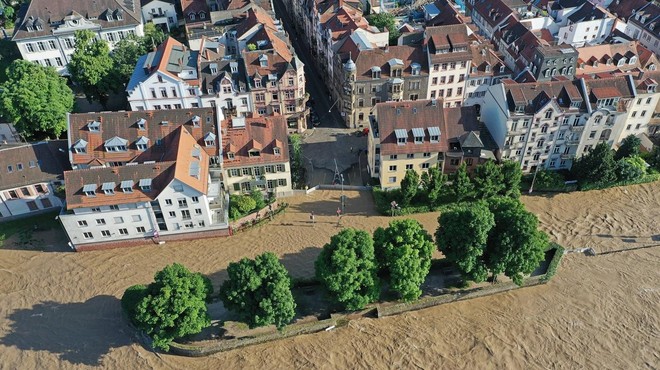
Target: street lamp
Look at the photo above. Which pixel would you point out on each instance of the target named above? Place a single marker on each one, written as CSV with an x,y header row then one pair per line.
x,y
531,187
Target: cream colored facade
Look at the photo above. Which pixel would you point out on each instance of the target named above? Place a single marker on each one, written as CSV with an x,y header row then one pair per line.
x,y
273,177
447,81
393,167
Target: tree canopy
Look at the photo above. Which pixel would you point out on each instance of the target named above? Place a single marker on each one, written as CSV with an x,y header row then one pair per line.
x,y
127,52
462,187
515,245
385,20
595,167
488,180
409,186
630,168
259,291
173,306
512,175
462,237
36,99
347,268
629,147
91,65
404,251
433,184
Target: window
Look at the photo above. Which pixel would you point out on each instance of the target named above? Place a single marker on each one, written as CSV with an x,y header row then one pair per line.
x,y
123,232
281,182
140,229
182,202
136,218
280,168
30,47
427,155
634,114
100,221
119,220
19,166
426,165
88,235
82,223
58,61
392,179
10,168
198,211
643,113
105,233
185,214
96,209
393,156
41,46
393,168
191,92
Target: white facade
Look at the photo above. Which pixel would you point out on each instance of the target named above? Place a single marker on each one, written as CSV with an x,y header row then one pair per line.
x,y
26,199
586,32
162,90
160,13
56,49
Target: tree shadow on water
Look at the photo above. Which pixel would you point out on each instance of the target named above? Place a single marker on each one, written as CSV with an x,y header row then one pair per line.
x,y
78,332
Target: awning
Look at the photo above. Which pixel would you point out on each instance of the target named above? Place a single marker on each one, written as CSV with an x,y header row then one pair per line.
x,y
127,184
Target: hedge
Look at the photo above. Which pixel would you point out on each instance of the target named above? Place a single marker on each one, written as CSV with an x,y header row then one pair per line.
x,y
645,179
554,263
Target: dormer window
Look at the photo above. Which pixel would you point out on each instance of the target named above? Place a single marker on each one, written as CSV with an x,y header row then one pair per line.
x,y
575,104
502,69
145,184
90,190
418,134
209,139
276,151
164,123
263,60
142,143
202,15
195,121
127,186
487,67
115,144
80,146
108,188
434,134
231,155
621,62
29,28
520,108
94,126
375,72
214,68
254,153
651,88
142,124
415,69
234,67
401,136
257,82
191,16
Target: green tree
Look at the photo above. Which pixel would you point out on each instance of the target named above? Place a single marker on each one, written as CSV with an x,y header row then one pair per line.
x,y
258,196
131,298
245,203
36,99
653,158
174,305
259,291
124,60
462,187
629,147
347,268
462,237
385,20
153,36
404,250
433,184
488,180
595,167
515,245
549,180
630,168
409,187
512,175
91,65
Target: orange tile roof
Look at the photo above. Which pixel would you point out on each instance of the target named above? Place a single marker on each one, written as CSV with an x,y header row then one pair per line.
x,y
261,133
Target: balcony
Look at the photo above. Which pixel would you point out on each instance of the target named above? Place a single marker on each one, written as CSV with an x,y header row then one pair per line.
x,y
231,111
579,128
567,156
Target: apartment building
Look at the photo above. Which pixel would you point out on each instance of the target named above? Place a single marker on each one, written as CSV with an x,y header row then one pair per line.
x,y
625,57
418,135
584,24
538,125
195,11
143,174
161,13
489,15
449,57
486,69
29,177
368,77
45,29
641,21
256,155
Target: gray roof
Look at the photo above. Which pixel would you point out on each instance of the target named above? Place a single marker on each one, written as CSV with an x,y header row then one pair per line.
x,y
41,162
145,182
80,144
434,131
115,141
418,132
401,133
89,187
142,140
108,186
471,140
126,184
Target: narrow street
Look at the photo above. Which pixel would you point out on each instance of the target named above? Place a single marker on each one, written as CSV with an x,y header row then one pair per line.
x,y
330,147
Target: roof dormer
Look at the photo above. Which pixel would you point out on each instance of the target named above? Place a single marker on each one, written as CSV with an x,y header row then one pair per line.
x,y
80,146
209,139
115,144
254,148
263,60
277,147
94,126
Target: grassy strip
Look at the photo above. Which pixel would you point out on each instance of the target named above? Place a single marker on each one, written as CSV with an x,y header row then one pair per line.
x,y
43,222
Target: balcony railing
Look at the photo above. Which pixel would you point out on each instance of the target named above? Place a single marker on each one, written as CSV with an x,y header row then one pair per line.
x,y
576,128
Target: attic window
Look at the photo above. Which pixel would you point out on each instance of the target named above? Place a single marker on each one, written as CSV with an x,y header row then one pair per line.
x,y
108,188
195,121
233,66
418,134
520,108
575,104
263,61
80,146
145,184
209,139
90,190
633,60
415,69
29,28
230,155
502,69
164,123
127,186
142,143
474,69
375,72
621,62
487,67
214,68
401,136
191,15
115,144
276,151
434,134
141,124
108,16
651,88
94,126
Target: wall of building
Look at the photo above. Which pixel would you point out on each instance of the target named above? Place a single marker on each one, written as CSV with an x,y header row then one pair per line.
x,y
27,199
443,90
160,12
141,97
495,113
182,208
393,169
257,178
592,32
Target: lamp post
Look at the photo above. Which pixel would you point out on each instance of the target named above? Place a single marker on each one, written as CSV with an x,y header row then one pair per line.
x,y
531,187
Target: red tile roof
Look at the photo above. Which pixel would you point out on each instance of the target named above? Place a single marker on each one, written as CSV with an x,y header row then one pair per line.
x,y
260,133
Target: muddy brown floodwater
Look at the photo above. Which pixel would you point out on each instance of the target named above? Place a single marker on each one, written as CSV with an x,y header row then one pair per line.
x,y
61,310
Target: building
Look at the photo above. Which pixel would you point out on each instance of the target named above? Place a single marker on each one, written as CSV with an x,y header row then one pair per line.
x,y
195,11
142,175
45,30
418,135
449,57
486,69
489,15
368,77
255,155
30,175
585,24
641,21
614,59
161,13
539,124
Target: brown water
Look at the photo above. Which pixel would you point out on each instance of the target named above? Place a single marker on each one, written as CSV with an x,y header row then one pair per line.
x,y
61,310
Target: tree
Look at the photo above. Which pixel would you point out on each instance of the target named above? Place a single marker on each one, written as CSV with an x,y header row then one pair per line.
x,y
595,167
347,268
124,59
404,250
36,99
512,175
549,180
174,305
259,291
653,158
462,237
409,186
630,168
245,203
461,187
385,21
258,197
488,180
515,245
90,66
153,36
131,298
433,184
629,147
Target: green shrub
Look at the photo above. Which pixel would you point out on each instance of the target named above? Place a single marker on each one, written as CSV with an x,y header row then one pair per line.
x,y
549,180
630,168
258,197
554,263
131,298
245,204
